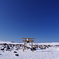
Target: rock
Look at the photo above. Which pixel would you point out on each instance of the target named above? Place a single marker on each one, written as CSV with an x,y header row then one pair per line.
x,y
16,54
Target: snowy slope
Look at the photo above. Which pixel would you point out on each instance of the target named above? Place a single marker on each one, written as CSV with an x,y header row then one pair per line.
x,y
49,53
39,54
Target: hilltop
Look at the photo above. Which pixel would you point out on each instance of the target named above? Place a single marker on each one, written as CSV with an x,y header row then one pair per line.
x,y
48,53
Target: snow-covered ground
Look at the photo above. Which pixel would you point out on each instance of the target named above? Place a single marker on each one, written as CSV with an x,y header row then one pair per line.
x,y
49,53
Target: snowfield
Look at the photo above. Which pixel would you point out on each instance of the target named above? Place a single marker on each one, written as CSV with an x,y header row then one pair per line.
x,y
49,53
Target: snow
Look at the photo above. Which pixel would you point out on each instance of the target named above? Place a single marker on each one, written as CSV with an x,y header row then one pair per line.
x,y
57,48
52,43
49,53
39,54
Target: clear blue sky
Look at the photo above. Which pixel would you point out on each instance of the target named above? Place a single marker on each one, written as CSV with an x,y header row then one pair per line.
x,y
29,18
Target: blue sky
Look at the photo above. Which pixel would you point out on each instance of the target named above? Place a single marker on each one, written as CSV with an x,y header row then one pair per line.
x,y
29,18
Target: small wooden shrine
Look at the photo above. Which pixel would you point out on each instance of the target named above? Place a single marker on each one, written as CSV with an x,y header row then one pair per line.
x,y
28,41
